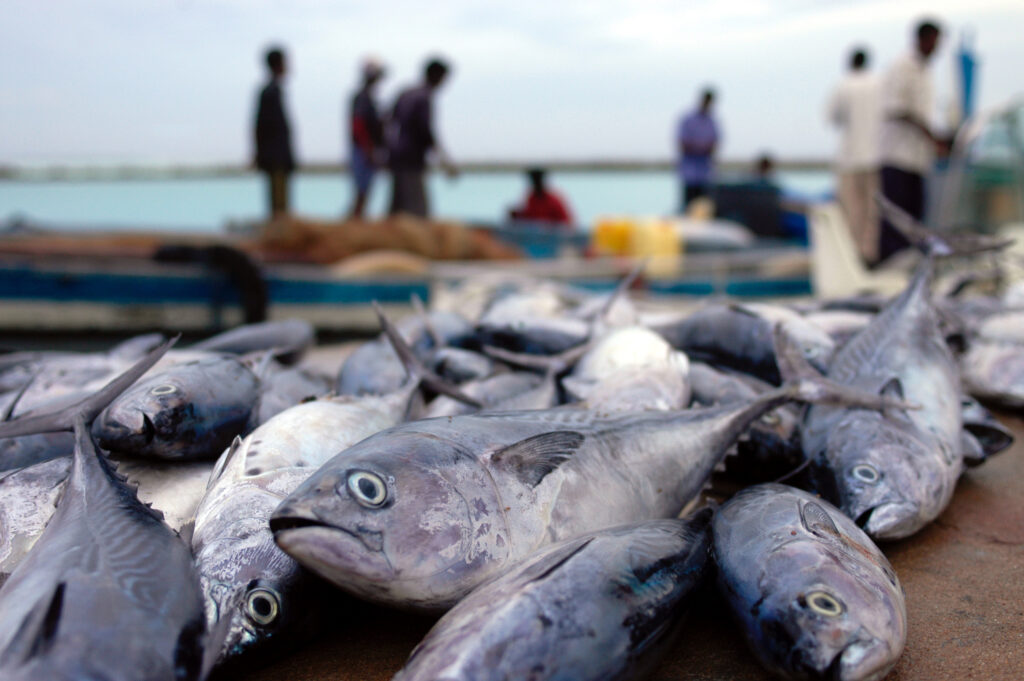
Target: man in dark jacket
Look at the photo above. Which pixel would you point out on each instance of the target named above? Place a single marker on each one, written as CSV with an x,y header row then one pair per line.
x,y
410,138
273,136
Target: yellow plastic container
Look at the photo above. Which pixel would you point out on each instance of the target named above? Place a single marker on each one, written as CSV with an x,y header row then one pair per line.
x,y
611,235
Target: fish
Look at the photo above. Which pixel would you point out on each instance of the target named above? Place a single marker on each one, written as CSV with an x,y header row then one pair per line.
x,y
259,599
108,591
771,446
811,593
287,338
459,365
420,514
375,369
893,472
600,606
741,337
28,498
282,387
631,369
493,393
189,411
993,365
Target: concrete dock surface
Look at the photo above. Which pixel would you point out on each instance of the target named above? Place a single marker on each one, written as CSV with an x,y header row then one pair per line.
x,y
963,576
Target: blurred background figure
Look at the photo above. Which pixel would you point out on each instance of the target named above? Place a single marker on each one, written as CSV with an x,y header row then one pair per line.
x,y
855,107
764,169
908,141
366,135
273,135
697,137
542,204
411,136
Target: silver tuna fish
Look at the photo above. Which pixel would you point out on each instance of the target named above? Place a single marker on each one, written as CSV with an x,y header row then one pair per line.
x,y
892,472
422,513
108,591
601,606
814,597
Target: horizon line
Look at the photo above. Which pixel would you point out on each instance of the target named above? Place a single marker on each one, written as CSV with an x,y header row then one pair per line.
x,y
134,170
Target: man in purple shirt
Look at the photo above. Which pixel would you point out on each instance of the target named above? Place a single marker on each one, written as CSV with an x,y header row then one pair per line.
x,y
696,139
410,138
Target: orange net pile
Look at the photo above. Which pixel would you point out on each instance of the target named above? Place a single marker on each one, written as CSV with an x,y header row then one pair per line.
x,y
323,242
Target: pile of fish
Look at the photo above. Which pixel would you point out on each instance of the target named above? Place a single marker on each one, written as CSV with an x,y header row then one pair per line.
x,y
534,472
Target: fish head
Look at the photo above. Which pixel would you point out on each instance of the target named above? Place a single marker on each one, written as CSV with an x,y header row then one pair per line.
x,y
823,618
402,517
255,597
870,470
188,411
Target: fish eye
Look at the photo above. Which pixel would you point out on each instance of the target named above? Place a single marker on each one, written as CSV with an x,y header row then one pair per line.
x,y
163,390
367,488
866,473
824,603
262,605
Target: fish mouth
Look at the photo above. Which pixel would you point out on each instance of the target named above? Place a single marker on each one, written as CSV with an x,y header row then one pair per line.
x,y
861,661
148,429
892,520
371,539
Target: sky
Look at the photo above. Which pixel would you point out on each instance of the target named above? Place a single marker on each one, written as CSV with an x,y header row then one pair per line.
x,y
174,82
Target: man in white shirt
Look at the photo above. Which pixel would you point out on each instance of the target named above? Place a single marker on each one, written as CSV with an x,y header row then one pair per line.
x,y
855,107
908,140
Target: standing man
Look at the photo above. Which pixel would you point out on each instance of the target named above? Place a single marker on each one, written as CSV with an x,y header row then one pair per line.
x,y
273,135
366,135
908,140
697,137
855,107
410,138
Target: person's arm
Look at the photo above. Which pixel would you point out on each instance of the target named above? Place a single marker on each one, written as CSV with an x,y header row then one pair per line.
x,y
835,110
426,118
899,105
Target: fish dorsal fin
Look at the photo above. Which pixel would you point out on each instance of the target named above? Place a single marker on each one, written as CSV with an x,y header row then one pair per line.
x,y
892,388
743,309
547,565
38,630
533,458
225,459
818,522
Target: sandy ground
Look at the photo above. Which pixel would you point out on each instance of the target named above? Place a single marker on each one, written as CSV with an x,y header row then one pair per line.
x,y
963,576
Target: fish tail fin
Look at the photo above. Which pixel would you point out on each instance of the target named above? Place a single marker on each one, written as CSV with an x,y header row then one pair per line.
x,y
90,407
933,243
802,382
414,367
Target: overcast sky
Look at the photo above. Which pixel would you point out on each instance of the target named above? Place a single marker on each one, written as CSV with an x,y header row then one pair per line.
x,y
157,81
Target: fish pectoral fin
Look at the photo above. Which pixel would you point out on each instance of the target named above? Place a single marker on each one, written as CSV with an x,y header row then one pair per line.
x,y
546,566
533,458
38,630
818,521
892,388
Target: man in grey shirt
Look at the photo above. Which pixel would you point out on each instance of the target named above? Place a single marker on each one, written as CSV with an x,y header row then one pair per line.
x,y
410,138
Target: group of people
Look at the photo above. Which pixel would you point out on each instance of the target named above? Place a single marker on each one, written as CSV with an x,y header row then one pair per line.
x,y
399,141
887,141
887,145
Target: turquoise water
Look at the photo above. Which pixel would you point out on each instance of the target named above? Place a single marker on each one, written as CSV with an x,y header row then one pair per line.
x,y
208,204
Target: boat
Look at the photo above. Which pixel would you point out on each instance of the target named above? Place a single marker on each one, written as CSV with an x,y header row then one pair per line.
x,y
63,282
